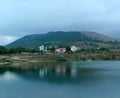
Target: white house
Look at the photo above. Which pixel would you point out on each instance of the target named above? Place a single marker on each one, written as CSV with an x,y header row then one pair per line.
x,y
43,48
74,48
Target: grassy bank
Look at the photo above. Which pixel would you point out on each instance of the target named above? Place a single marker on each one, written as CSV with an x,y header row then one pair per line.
x,y
19,59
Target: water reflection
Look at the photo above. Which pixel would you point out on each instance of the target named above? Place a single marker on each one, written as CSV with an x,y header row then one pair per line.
x,y
52,73
78,80
8,76
58,73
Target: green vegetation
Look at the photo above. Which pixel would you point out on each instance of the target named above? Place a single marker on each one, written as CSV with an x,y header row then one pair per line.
x,y
4,50
31,60
91,46
82,39
24,54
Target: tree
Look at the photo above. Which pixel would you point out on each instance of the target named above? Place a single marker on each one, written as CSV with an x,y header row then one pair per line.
x,y
3,50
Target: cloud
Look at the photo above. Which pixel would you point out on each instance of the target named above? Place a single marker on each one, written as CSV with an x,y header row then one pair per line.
x,y
19,18
5,39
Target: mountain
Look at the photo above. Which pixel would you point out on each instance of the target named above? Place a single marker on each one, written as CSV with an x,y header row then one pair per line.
x,y
97,36
64,38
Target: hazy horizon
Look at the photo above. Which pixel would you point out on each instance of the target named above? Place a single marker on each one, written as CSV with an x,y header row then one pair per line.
x,y
20,18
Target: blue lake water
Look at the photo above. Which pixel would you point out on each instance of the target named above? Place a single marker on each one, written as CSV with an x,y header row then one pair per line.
x,y
95,79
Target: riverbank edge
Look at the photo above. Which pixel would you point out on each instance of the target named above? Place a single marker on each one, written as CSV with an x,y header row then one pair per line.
x,y
24,59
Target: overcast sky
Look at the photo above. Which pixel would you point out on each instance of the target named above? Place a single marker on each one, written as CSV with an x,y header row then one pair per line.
x,y
22,17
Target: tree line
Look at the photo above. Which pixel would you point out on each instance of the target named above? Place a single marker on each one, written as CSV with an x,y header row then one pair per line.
x,y
4,50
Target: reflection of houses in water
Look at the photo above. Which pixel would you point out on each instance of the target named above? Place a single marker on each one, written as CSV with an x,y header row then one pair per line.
x,y
73,72
42,72
58,71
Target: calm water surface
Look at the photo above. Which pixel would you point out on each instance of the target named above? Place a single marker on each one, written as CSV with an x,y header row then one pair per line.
x,y
99,79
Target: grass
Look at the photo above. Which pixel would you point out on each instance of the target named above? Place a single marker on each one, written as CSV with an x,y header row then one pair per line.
x,y
54,58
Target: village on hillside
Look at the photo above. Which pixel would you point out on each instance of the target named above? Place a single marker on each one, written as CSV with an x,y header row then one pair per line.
x,y
59,50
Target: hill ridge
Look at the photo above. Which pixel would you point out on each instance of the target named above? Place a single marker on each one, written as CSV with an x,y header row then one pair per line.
x,y
55,38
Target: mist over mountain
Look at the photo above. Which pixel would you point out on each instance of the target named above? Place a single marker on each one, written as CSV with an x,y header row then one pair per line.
x,y
79,38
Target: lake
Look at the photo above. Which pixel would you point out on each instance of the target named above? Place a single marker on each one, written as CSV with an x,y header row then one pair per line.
x,y
91,79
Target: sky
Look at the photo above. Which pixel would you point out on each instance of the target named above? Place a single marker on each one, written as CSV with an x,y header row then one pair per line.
x,y
23,17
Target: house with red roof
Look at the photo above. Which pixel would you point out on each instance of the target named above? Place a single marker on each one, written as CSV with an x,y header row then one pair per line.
x,y
60,50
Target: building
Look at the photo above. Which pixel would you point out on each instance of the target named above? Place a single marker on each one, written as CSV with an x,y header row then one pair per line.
x,y
42,48
73,48
60,50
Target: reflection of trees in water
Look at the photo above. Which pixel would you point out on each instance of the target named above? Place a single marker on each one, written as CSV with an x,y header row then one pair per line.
x,y
55,73
49,71
2,71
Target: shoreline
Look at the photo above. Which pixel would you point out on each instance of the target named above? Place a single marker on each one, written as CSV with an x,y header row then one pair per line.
x,y
17,60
